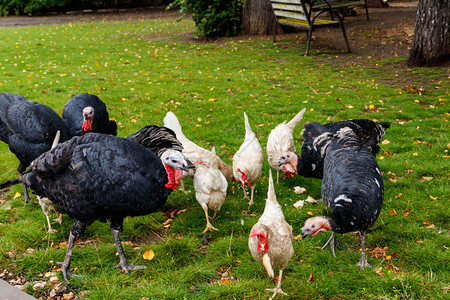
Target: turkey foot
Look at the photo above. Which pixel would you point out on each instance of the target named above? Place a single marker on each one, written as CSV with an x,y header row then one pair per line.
x,y
128,267
276,290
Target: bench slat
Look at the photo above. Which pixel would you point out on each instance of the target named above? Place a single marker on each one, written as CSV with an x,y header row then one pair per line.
x,y
304,23
277,6
339,4
280,13
287,1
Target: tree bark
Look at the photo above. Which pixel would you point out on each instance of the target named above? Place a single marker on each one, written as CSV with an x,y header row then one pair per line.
x,y
375,3
257,17
431,42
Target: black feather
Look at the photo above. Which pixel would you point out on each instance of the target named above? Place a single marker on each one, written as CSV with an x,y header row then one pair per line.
x,y
99,177
352,185
28,128
157,139
311,161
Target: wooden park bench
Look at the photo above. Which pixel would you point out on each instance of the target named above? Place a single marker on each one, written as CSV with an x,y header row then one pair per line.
x,y
298,13
339,5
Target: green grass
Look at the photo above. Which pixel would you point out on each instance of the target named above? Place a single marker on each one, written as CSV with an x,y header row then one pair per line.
x,y
142,69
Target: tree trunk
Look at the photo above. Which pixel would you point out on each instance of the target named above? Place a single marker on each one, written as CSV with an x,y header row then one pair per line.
x,y
431,42
257,17
375,3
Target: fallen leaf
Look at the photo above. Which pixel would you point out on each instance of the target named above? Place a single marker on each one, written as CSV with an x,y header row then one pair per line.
x,y
393,212
309,213
406,213
39,285
149,254
379,271
394,254
387,257
398,196
311,277
433,198
427,178
299,204
311,200
17,195
378,252
426,223
226,280
392,267
53,280
299,190
419,242
385,142
68,296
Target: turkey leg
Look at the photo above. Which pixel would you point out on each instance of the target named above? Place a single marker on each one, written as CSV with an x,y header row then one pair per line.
x,y
116,228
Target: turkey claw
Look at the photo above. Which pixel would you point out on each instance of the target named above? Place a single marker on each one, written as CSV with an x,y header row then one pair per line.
x,y
129,267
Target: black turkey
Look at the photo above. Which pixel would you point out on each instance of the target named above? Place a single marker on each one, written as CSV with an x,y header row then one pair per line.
x,y
29,128
87,113
352,186
104,177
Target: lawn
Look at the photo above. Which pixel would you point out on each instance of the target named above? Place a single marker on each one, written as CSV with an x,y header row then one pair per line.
x,y
143,68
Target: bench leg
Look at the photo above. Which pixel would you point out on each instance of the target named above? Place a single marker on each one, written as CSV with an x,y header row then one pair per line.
x,y
343,30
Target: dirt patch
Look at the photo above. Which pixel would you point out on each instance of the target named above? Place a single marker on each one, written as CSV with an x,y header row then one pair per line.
x,y
91,16
388,33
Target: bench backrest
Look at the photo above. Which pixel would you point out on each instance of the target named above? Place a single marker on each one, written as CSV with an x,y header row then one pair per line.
x,y
290,9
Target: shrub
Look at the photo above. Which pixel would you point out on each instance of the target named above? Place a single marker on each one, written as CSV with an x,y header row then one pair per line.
x,y
214,17
28,7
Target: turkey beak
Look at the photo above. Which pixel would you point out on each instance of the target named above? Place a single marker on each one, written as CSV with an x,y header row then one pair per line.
x,y
187,165
304,236
190,165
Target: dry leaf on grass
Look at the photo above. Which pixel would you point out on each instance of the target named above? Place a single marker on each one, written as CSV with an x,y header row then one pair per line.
x,y
378,252
311,200
299,190
299,204
393,212
149,254
311,277
406,213
379,271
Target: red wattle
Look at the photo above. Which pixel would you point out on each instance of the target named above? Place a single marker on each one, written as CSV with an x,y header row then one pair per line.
x,y
87,125
243,177
262,245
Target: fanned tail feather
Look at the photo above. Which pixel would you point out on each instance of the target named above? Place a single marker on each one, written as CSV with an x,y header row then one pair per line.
x,y
171,121
297,119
